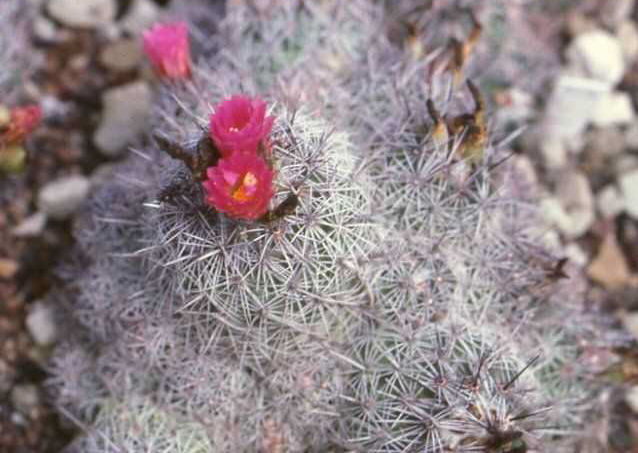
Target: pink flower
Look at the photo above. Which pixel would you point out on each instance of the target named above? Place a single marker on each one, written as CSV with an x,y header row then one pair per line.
x,y
240,124
22,121
240,186
167,47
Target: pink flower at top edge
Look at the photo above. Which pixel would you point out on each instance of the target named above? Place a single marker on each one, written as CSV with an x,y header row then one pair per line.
x,y
167,48
240,186
23,120
240,124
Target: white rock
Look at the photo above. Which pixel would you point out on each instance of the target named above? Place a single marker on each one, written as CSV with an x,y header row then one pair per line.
x,y
554,152
550,239
41,324
45,30
142,14
614,108
615,12
572,211
629,187
554,214
59,199
628,36
597,54
631,398
576,254
571,105
83,13
610,202
125,117
31,226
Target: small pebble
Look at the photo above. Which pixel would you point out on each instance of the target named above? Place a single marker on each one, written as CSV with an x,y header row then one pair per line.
x,y
125,117
597,54
25,397
83,13
61,198
41,324
31,226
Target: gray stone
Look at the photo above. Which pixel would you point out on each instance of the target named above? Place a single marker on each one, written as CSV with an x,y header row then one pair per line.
x,y
83,13
629,188
53,109
41,324
610,202
142,14
628,36
122,55
571,105
31,226
125,117
614,109
597,54
60,199
25,397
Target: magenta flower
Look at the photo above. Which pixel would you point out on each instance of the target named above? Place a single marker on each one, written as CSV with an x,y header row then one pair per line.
x,y
240,186
167,48
240,124
22,121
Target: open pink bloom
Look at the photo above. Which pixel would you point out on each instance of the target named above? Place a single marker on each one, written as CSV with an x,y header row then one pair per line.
x,y
240,124
240,186
23,120
167,47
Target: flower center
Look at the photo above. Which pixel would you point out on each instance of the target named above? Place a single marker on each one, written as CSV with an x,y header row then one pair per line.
x,y
244,188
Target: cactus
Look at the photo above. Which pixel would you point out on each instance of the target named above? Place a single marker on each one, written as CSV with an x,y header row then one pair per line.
x,y
402,305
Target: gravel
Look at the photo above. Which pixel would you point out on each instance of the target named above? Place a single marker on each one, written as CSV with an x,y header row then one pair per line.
x,y
61,198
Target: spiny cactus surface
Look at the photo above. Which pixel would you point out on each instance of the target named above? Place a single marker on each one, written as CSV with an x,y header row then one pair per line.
x,y
402,304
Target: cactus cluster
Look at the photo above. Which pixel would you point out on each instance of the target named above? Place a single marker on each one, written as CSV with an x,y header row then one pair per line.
x,y
403,304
